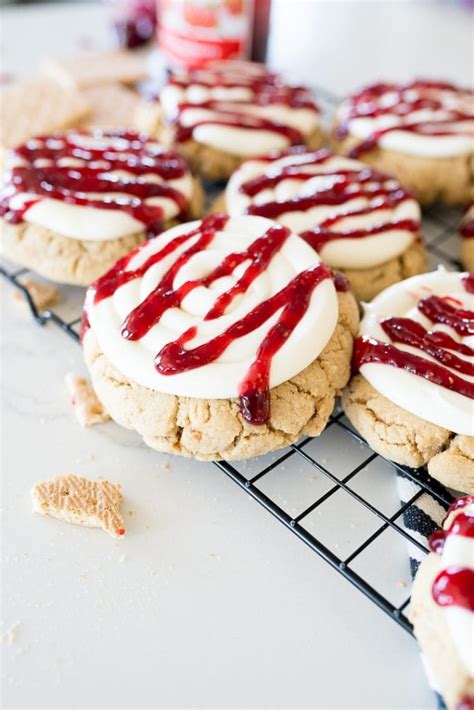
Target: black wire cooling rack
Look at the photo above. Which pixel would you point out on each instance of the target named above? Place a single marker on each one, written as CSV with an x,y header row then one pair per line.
x,y
350,480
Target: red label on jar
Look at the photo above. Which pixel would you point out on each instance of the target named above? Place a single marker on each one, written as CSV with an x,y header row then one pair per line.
x,y
192,33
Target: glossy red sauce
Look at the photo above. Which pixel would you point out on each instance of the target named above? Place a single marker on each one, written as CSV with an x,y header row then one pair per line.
x,y
292,301
73,184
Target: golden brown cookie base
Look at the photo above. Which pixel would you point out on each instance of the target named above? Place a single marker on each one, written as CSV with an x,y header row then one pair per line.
x,y
214,429
407,439
367,283
73,261
434,636
467,254
449,180
208,162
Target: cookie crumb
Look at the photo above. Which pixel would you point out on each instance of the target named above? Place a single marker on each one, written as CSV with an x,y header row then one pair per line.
x,y
77,500
43,295
11,634
402,584
88,408
165,465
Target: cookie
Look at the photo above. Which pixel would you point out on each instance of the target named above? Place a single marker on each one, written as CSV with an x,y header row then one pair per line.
x,y
76,500
87,407
467,239
43,295
96,68
221,115
112,107
442,606
39,107
412,400
73,203
234,346
420,132
361,222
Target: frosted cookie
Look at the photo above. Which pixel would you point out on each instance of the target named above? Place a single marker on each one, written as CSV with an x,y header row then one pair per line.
x,y
361,222
221,115
421,132
73,203
76,500
225,338
413,398
467,239
442,606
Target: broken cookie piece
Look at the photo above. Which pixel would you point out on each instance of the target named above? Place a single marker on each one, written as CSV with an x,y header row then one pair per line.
x,y
87,406
78,501
43,295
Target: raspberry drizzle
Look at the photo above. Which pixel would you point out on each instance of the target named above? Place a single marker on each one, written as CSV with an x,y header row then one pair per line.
x,y
448,367
292,301
402,103
379,190
62,167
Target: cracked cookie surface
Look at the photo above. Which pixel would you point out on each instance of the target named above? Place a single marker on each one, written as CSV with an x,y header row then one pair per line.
x,y
407,439
210,429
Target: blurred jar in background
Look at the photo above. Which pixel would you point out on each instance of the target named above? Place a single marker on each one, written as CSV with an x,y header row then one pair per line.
x,y
134,21
192,33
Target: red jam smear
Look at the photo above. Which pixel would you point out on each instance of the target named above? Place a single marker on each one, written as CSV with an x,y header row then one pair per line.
x,y
467,229
468,281
454,586
174,358
466,703
438,345
349,185
366,104
266,89
71,184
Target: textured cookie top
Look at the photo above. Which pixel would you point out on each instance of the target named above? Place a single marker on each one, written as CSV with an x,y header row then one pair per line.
x,y
453,588
424,118
355,217
416,347
239,108
221,308
95,185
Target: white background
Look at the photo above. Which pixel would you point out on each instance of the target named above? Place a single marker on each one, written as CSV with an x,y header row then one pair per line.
x,y
207,602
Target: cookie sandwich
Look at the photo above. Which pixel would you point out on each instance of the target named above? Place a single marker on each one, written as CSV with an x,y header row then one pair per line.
x,y
224,338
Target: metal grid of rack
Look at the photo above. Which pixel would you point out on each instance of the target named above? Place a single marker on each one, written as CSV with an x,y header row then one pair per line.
x,y
350,479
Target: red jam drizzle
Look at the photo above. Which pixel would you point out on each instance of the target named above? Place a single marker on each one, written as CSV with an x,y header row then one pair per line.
x,y
466,703
72,184
454,586
293,301
468,281
266,89
438,345
349,185
367,104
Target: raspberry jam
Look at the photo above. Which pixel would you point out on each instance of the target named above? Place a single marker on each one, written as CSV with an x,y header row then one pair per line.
x,y
291,303
62,167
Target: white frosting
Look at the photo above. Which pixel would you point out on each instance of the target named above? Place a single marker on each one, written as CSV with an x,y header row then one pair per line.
x,y
341,253
458,551
233,139
92,223
417,395
221,378
457,143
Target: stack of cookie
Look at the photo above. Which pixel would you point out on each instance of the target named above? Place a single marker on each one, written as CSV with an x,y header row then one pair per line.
x,y
231,336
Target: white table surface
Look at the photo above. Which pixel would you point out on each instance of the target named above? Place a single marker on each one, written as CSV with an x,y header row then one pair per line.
x,y
208,601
